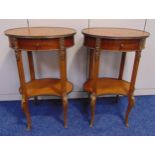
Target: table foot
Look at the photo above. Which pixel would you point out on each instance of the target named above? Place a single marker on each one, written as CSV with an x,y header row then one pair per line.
x,y
28,128
127,125
65,126
91,125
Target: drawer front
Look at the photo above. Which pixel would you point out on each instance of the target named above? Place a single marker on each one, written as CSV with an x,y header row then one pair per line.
x,y
120,45
115,44
40,44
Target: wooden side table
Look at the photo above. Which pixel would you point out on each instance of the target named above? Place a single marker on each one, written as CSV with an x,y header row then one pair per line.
x,y
112,39
42,39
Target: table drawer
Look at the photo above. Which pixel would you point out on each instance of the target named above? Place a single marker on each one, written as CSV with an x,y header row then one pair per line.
x,y
115,44
120,45
40,44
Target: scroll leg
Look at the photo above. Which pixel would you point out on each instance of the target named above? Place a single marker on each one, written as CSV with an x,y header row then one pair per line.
x,y
65,109
25,109
131,103
92,108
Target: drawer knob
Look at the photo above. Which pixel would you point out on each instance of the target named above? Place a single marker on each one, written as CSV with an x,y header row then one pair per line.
x,y
122,45
37,44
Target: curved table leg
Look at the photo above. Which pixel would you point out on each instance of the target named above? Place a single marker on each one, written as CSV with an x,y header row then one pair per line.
x,y
92,108
22,89
131,99
25,109
131,103
65,109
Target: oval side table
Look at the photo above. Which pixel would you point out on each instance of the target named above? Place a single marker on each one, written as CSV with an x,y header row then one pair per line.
x,y
42,39
112,39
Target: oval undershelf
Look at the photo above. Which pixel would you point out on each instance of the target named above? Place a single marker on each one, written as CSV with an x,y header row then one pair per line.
x,y
48,86
109,86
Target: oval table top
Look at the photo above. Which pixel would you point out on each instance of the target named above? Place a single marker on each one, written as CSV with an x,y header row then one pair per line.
x,y
40,32
115,33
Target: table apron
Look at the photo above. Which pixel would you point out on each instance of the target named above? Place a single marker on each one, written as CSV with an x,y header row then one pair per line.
x,y
43,44
115,44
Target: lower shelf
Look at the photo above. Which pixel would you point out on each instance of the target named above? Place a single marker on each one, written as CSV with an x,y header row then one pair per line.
x,y
46,87
107,86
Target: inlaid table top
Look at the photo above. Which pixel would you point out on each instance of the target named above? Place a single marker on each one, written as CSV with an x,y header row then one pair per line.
x,y
115,33
40,32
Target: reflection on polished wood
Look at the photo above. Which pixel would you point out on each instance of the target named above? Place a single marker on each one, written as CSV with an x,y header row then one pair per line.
x,y
107,86
42,39
112,40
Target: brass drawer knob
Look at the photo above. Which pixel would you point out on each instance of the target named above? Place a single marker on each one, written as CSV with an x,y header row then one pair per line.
x,y
122,45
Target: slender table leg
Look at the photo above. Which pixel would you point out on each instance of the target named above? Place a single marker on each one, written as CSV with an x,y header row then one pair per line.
x,y
63,84
123,57
25,109
91,73
91,64
31,65
23,87
95,70
31,68
122,65
131,100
